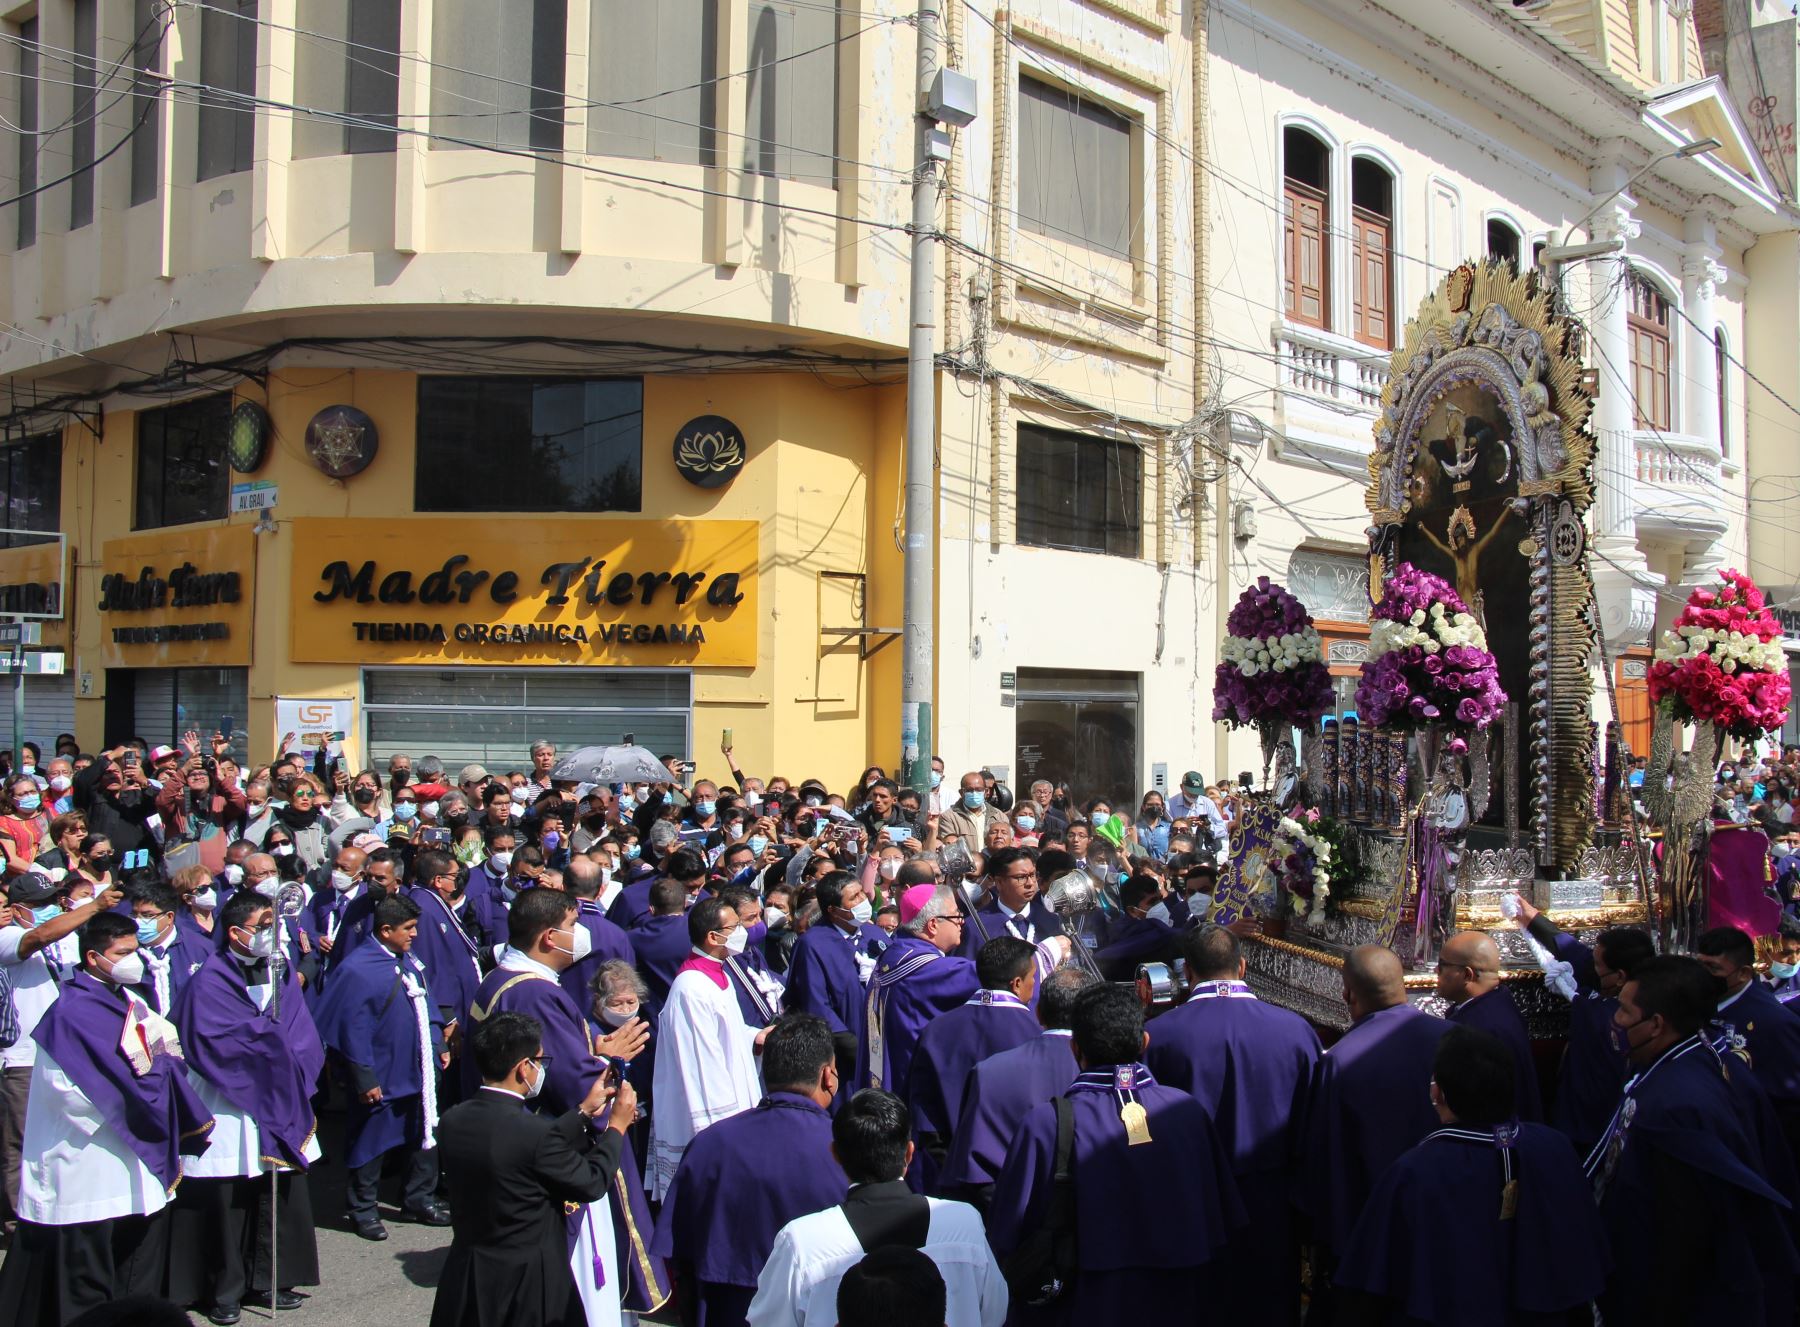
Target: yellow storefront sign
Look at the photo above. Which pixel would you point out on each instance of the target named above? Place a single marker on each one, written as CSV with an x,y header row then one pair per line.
x,y
178,600
427,591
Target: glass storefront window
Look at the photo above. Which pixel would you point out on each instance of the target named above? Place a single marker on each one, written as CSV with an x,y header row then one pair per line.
x,y
1078,727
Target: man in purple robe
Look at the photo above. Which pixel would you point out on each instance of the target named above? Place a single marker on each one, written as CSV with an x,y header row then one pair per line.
x,y
109,1118
1136,937
1698,1234
1593,1069
684,866
1001,1090
917,978
153,907
1139,1148
544,938
380,880
832,961
995,1018
582,879
254,1058
1468,976
447,945
1370,1097
1013,906
329,907
1770,1029
378,1017
1251,1065
1504,1204
722,1213
758,990
660,945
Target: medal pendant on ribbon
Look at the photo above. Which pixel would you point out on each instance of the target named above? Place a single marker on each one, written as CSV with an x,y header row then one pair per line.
x,y
1136,1121
1509,1200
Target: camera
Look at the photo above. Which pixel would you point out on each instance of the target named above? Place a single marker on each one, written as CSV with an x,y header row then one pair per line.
x,y
1162,986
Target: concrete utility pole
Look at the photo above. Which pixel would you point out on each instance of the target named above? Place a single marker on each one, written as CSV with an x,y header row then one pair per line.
x,y
916,728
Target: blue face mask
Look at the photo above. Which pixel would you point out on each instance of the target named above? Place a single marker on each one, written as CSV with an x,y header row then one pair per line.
x,y
972,800
405,811
758,844
1026,822
633,851
937,777
28,802
148,929
44,913
705,809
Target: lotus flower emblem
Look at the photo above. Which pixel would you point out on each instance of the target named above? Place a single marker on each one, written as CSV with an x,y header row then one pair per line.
x,y
709,451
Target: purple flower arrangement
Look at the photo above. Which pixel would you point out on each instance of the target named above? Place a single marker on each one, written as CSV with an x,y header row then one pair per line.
x,y
1272,661
1429,664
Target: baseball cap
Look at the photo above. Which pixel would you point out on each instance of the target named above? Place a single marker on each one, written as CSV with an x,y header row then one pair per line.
x,y
158,754
472,774
31,887
913,901
1191,782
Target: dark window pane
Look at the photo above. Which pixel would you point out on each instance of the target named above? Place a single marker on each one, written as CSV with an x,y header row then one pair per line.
x,y
227,62
27,136
523,444
182,475
347,63
31,499
1078,492
497,78
148,26
81,132
1075,169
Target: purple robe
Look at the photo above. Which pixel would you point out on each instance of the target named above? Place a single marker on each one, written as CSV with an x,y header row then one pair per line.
x,y
1786,989
1443,1202
1132,1268
721,1216
570,1070
265,1064
631,908
1131,941
365,1017
158,1116
952,1044
822,975
178,972
1251,1065
1496,1013
487,907
1593,1069
1771,1032
999,1093
913,983
759,1009
450,954
193,942
660,946
1698,1235
609,942
1370,1103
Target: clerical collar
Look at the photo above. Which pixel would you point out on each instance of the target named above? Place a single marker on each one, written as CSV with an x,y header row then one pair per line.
x,y
1107,1078
514,960
1225,989
997,1000
1732,999
1058,1032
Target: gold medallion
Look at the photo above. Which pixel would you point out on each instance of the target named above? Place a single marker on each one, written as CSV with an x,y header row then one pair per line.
x,y
1137,1123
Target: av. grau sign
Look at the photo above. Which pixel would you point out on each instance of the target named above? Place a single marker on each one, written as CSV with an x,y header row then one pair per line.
x,y
175,600
424,591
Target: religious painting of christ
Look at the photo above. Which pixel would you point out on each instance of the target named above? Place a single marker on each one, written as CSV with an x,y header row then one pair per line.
x,y
1461,525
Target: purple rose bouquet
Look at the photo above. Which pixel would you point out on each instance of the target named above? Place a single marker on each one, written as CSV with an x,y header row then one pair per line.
x,y
1273,663
1429,664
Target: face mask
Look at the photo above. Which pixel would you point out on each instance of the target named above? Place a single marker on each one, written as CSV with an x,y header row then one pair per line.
x,y
889,868
1026,823
1160,913
405,811
862,912
501,861
269,887
776,917
127,971
362,796
641,793
343,881
552,840
45,912
972,801
204,900
537,1084
583,943
633,851
60,784
937,777
759,844
148,929
814,801
1153,813
704,809
233,874
262,942
514,811
29,802
520,795
627,804
431,809
1783,970
282,850
1780,850
737,940
102,863
615,1018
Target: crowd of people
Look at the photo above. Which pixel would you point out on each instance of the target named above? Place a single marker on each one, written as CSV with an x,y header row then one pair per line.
x,y
755,1051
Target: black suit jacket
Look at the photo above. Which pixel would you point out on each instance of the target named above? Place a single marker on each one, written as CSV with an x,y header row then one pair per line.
x,y
987,922
510,1173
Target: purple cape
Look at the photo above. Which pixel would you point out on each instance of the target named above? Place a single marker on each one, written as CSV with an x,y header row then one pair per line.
x,y
913,983
951,1045
722,1215
1251,1065
1771,1032
822,978
1371,1102
365,1017
449,953
1441,1202
1495,1012
632,907
267,1068
660,946
1132,1269
1131,941
1681,1171
157,1116
571,1070
998,1095
486,906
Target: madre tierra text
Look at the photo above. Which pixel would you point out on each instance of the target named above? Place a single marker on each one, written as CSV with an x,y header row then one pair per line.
x,y
587,581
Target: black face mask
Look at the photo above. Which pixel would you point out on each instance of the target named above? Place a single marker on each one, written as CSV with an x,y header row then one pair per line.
x,y
102,863
457,819
362,796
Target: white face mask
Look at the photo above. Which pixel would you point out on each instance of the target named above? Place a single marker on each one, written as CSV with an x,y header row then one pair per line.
x,y
127,971
735,942
262,942
269,888
204,900
282,850
501,861
890,867
583,943
775,917
862,912
343,881
617,1018
234,874
537,1084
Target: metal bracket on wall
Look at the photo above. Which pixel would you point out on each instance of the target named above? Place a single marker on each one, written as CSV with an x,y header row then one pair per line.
x,y
862,633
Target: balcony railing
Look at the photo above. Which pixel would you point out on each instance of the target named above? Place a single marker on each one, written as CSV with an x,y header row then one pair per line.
x,y
1320,364
1676,466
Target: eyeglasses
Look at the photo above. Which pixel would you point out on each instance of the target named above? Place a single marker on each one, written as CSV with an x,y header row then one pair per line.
x,y
1029,875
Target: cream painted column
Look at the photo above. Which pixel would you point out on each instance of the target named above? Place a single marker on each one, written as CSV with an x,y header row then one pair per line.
x,y
570,179
410,149
274,148
1622,580
1699,376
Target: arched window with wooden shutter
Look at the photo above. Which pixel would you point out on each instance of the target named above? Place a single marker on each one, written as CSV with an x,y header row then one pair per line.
x,y
1306,220
1372,253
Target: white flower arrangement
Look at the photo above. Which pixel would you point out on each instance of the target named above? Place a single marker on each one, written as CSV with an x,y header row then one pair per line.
x,y
1731,650
1273,654
1296,833
1435,631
